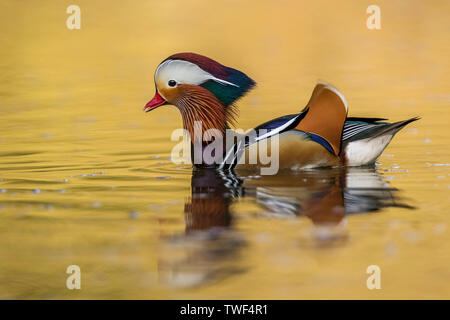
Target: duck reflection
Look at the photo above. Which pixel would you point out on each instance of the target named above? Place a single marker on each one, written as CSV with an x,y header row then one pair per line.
x,y
326,197
209,205
318,195
210,246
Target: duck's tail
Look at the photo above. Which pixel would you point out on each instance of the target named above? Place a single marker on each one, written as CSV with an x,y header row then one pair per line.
x,y
370,128
394,127
365,139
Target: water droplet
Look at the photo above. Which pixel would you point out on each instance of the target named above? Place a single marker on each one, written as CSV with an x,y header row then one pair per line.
x,y
155,207
134,214
394,224
391,249
440,228
412,237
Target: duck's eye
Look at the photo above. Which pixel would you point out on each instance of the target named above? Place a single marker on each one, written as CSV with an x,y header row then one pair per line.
x,y
172,83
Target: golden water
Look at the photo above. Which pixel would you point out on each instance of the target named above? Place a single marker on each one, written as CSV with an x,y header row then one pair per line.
x,y
85,177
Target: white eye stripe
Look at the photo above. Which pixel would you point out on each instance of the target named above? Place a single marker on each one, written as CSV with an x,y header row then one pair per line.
x,y
184,72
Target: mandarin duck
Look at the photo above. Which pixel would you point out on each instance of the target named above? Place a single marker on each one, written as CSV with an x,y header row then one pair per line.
x,y
320,135
324,196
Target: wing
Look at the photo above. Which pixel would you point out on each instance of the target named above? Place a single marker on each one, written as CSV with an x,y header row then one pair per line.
x,y
325,115
364,128
322,119
263,131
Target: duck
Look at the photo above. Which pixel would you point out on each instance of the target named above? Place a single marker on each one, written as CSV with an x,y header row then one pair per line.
x,y
319,135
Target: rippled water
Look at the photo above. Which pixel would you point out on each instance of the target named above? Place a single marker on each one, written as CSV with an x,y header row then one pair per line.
x,y
86,176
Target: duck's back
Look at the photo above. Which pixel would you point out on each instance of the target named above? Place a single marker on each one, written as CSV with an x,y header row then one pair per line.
x,y
320,135
311,138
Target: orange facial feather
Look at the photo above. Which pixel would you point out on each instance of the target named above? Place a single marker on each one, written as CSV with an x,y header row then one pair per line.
x,y
198,104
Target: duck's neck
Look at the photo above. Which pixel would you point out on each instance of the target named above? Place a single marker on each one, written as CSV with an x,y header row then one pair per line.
x,y
204,130
205,117
205,123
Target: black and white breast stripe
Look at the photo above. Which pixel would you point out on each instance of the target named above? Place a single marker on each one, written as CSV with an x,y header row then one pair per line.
x,y
236,151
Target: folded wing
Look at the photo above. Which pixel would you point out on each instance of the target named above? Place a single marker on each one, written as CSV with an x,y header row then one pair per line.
x,y
325,115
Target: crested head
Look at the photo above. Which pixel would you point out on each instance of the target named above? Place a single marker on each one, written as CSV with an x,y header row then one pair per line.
x,y
203,89
226,83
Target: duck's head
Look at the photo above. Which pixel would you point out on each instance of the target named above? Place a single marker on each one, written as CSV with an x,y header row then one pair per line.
x,y
201,88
